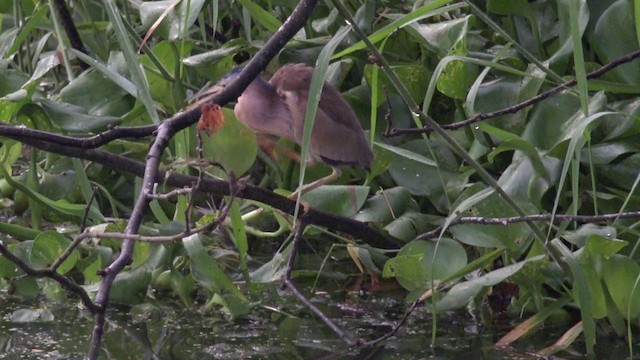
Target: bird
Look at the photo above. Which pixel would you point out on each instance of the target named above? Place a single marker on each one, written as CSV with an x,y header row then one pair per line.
x,y
276,109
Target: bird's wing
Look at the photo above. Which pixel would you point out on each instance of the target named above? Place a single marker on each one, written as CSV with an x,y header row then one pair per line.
x,y
337,136
332,142
297,78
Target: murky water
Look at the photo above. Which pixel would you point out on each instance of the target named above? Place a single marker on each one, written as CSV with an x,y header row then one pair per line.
x,y
163,332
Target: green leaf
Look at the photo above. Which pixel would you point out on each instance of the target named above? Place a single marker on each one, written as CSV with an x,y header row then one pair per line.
x,y
420,262
239,234
491,205
261,16
433,8
620,274
409,225
337,199
60,206
135,70
386,205
47,248
460,294
130,287
74,119
614,36
206,270
233,146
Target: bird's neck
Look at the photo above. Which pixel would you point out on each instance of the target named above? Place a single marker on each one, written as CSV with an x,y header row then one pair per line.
x,y
260,88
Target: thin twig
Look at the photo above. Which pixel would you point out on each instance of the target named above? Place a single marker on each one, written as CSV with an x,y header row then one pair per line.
x,y
395,329
302,224
517,107
166,131
65,282
70,29
537,217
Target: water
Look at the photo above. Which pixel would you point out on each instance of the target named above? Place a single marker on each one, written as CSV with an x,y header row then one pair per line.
x,y
153,331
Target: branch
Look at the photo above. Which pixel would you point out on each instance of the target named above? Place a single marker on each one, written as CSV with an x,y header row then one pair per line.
x,y
70,29
538,217
515,108
119,163
166,131
65,282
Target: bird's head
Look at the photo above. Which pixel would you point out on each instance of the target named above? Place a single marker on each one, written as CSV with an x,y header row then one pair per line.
x,y
227,79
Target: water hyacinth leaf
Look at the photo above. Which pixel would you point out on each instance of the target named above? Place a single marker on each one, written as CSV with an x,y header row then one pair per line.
x,y
622,173
98,96
176,19
233,146
90,272
596,291
510,7
427,10
261,16
420,262
499,94
605,153
11,81
615,36
274,269
59,206
337,199
386,205
620,275
457,76
130,287
26,288
596,238
163,88
409,225
183,286
31,316
547,117
206,270
523,182
425,180
136,72
492,206
604,246
414,77
322,25
460,294
527,149
114,70
74,119
47,248
7,269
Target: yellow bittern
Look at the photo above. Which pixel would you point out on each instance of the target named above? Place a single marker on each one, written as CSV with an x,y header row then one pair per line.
x,y
276,109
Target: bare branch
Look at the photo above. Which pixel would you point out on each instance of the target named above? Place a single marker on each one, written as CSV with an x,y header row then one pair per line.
x,y
166,130
538,217
65,282
515,108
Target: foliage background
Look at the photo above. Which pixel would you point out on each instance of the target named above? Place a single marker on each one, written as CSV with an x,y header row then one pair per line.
x,y
570,156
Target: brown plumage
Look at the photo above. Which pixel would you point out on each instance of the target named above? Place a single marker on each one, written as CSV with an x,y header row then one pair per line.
x,y
277,109
337,137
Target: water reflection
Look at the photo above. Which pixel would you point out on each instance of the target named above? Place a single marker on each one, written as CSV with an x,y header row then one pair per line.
x,y
165,332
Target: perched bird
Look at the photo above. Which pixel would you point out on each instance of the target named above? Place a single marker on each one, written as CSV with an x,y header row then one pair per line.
x,y
276,109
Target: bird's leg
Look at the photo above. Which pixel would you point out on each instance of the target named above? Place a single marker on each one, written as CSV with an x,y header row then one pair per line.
x,y
335,174
268,144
